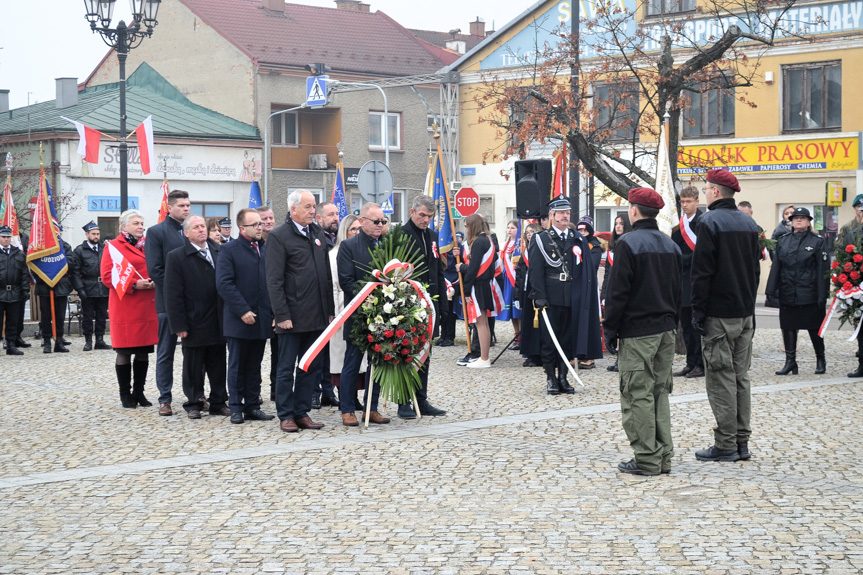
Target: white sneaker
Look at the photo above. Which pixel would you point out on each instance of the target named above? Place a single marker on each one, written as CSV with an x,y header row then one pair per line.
x,y
479,364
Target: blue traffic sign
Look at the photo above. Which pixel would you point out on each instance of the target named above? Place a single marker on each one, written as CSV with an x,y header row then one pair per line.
x,y
387,205
316,91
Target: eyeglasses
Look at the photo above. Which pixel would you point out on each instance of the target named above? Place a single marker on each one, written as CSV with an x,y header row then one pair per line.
x,y
258,225
705,188
379,222
353,231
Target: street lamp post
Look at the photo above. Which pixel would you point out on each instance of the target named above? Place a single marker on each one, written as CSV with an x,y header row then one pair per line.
x,y
123,38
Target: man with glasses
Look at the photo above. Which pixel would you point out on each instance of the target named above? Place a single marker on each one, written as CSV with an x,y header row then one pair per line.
x,y
268,220
425,241
726,267
354,265
327,217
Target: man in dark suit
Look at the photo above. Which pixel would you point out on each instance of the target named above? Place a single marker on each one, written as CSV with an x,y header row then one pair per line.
x,y
327,217
14,283
87,280
300,286
25,243
425,241
241,280
685,239
354,265
161,239
194,314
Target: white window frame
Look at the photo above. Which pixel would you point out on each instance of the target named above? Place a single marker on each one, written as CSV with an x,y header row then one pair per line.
x,y
398,131
281,120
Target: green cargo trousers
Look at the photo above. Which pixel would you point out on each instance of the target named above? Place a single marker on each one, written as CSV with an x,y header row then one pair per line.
x,y
727,347
645,382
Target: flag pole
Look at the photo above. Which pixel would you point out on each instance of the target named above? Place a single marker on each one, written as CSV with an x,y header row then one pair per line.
x,y
454,242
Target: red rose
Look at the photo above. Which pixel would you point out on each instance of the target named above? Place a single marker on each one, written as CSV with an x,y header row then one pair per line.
x,y
400,333
371,339
388,333
377,347
415,340
413,329
405,351
387,357
849,248
847,285
848,267
843,278
857,258
835,265
855,276
423,338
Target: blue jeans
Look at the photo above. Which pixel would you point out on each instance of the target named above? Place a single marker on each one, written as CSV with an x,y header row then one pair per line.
x,y
348,385
165,359
294,393
244,373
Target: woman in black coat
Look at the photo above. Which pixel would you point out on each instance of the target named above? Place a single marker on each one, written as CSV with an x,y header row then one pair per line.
x,y
798,279
478,278
621,226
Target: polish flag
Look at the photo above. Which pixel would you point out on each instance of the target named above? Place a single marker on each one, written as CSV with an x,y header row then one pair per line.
x,y
121,271
144,133
88,146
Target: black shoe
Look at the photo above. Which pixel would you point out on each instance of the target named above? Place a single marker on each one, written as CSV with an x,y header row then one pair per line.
x,y
128,401
12,350
194,414
88,343
60,347
469,358
21,343
713,453
632,468
552,386
683,371
820,365
697,371
856,373
46,345
743,450
613,367
529,363
445,342
316,401
258,415
515,347
329,401
100,344
64,341
407,412
430,410
237,418
589,364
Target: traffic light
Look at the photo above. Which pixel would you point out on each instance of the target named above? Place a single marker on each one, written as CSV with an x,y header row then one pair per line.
x,y
318,69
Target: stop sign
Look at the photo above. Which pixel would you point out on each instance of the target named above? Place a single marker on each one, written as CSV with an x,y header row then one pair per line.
x,y
466,202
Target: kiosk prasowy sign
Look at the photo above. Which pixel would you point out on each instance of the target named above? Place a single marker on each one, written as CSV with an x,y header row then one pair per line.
x,y
466,202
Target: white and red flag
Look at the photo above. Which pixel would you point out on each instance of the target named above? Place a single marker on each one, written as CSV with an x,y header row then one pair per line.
x,y
88,146
144,134
121,271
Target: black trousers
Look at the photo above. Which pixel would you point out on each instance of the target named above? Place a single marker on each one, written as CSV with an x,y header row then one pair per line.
x,y
60,304
197,360
559,316
244,373
447,330
294,392
94,307
10,312
691,339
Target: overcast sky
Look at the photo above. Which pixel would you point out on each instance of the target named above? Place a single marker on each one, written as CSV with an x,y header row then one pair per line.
x,y
41,41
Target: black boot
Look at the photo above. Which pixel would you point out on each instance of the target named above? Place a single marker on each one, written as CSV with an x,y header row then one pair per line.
x,y
100,343
59,345
552,383
88,343
564,385
818,344
857,372
790,339
21,343
124,381
139,368
46,345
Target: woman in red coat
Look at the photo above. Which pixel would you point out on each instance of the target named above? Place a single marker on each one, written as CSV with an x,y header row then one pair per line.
x,y
134,324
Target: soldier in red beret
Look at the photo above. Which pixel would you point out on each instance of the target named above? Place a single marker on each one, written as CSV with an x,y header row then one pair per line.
x,y
641,311
725,273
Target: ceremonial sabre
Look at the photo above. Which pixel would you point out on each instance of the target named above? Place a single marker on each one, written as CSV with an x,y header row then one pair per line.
x,y
559,349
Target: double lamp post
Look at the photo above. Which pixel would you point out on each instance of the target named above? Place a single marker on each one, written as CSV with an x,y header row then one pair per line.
x,y
122,39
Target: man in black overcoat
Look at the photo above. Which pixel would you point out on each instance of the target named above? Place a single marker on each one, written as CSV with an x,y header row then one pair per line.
x,y
87,280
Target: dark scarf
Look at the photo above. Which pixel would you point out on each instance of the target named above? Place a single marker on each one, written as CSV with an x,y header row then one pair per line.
x,y
139,244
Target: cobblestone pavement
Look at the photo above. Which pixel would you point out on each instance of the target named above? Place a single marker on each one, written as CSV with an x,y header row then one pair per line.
x,y
510,481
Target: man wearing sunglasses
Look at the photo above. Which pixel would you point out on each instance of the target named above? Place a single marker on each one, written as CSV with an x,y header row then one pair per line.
x,y
355,265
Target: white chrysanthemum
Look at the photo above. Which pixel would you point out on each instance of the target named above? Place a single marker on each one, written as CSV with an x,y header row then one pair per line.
x,y
388,308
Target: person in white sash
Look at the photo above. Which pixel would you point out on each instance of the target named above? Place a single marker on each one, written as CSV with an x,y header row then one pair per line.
x,y
685,239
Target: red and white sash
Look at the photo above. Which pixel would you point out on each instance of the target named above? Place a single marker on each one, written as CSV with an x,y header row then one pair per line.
x,y
472,306
688,233
506,259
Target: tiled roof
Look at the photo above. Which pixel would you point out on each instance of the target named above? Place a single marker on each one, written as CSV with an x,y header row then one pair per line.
x,y
147,93
441,38
345,40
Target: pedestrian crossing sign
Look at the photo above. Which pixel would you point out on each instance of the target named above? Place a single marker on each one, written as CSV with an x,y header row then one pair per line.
x,y
316,91
387,205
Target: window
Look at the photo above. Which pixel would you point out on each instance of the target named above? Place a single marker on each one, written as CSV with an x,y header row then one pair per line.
x,y
660,7
812,96
376,130
285,128
398,215
617,113
710,113
108,227
211,210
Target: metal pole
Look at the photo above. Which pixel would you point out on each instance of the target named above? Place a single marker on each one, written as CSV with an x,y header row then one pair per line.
x,y
122,53
574,188
266,158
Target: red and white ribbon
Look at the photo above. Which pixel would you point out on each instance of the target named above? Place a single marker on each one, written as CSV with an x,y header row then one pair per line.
x,y
843,294
394,272
506,260
609,258
688,234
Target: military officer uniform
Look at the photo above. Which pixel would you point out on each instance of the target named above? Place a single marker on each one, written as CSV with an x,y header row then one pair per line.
x,y
14,289
87,281
641,309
